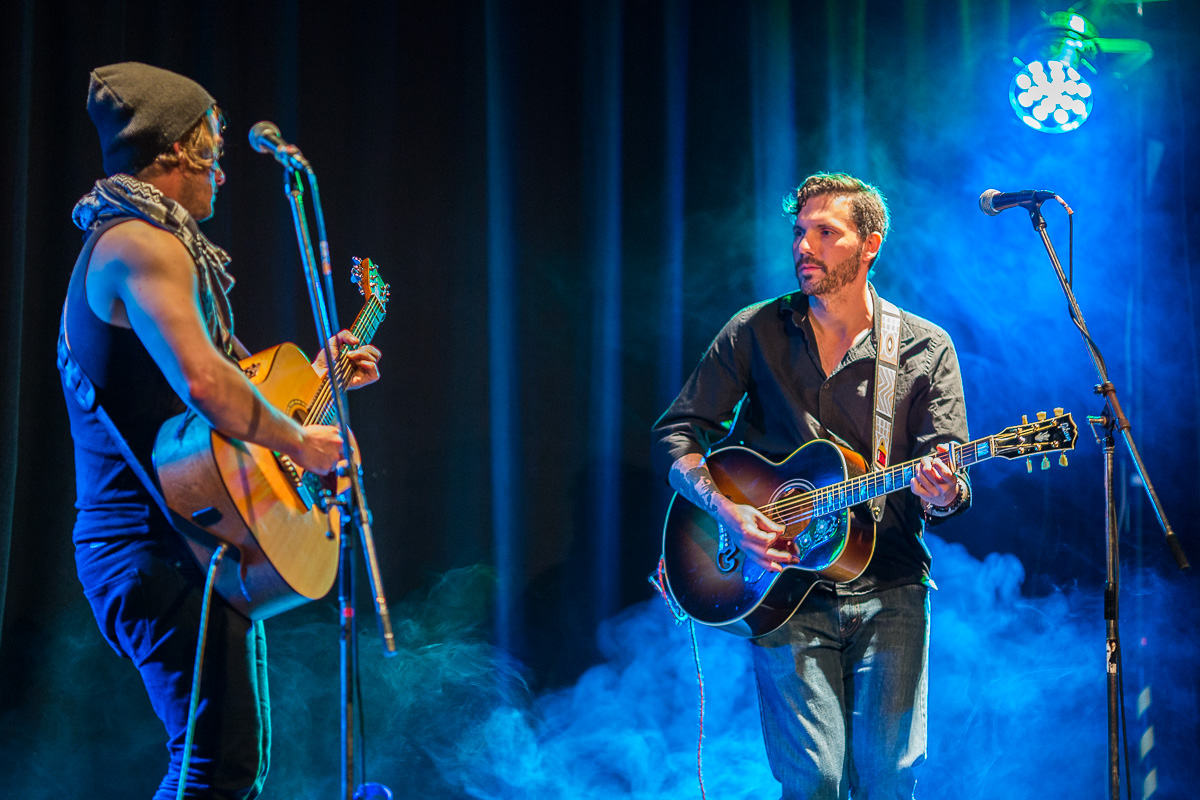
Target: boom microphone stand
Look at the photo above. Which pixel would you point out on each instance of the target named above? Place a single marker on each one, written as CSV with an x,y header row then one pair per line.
x,y
265,138
992,202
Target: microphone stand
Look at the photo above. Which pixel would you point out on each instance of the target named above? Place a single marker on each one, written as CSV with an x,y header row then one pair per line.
x,y
352,502
1112,417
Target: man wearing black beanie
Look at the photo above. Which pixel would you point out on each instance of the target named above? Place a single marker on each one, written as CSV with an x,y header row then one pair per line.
x,y
148,321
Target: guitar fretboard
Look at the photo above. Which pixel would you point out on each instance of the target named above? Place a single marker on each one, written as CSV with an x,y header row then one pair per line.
x,y
321,411
853,491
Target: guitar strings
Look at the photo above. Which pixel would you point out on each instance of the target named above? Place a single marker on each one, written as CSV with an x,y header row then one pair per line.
x,y
803,507
321,406
364,327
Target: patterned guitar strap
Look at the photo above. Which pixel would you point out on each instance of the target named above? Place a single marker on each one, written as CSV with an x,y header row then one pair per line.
x,y
887,366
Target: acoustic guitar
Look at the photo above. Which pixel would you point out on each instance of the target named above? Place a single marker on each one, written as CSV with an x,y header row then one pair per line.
x,y
813,493
283,530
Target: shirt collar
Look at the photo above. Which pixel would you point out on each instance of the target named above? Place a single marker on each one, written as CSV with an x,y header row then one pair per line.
x,y
794,308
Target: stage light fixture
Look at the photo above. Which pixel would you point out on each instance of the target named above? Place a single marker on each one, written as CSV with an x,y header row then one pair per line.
x,y
1051,97
1051,91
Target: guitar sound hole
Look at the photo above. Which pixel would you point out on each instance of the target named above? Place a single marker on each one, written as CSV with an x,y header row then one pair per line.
x,y
784,504
784,512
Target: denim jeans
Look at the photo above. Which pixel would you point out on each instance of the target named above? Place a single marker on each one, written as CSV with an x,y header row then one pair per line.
x,y
842,690
146,597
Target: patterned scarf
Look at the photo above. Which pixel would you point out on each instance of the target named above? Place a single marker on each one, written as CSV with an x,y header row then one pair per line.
x,y
125,196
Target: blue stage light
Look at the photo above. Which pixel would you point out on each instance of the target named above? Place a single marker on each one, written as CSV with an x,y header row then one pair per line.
x,y
1049,93
1052,97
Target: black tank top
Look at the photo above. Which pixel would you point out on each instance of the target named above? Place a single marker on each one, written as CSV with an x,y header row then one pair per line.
x,y
112,504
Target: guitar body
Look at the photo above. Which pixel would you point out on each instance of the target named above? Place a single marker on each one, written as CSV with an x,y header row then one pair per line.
x,y
284,548
718,586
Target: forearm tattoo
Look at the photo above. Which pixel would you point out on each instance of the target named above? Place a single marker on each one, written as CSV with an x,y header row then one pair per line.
x,y
703,490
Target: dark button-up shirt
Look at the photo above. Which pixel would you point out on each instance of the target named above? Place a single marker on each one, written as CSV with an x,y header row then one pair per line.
x,y
761,385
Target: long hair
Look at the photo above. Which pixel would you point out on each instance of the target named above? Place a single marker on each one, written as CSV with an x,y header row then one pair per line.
x,y
198,147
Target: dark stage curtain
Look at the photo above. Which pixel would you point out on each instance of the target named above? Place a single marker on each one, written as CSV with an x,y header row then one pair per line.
x,y
568,200
15,208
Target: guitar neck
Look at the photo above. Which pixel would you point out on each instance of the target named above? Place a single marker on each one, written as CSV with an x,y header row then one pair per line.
x,y
853,491
321,411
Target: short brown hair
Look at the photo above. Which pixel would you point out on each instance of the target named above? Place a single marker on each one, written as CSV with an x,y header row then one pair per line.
x,y
198,147
868,207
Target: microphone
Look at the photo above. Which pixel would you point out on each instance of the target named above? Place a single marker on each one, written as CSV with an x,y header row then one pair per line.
x,y
992,202
265,138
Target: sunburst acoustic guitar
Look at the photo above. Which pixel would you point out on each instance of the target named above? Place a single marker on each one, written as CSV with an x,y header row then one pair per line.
x,y
813,493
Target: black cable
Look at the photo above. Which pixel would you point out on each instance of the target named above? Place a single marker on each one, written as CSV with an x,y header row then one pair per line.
x,y
1087,337
1121,702
1071,251
197,669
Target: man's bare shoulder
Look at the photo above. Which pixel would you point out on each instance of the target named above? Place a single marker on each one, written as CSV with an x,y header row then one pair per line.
x,y
139,246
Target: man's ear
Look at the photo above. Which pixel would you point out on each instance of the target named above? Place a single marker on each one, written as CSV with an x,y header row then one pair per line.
x,y
871,246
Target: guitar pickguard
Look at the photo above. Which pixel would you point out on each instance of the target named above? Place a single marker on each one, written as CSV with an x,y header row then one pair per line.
x,y
819,532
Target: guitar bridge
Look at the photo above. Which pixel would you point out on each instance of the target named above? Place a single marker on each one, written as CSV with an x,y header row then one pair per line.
x,y
308,486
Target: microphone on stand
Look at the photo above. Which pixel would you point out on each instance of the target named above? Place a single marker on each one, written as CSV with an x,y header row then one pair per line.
x,y
265,138
993,201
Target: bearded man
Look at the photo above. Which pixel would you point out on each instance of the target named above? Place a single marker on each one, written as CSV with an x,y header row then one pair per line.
x,y
842,684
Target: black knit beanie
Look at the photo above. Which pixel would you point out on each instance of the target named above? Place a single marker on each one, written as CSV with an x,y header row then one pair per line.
x,y
140,111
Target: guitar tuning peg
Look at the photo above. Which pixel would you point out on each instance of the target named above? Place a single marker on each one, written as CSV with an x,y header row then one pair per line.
x,y
1028,464
1041,416
1058,412
356,260
1024,419
1045,462
1062,459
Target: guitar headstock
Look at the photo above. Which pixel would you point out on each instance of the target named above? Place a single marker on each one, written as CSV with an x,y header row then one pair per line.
x,y
370,285
1057,433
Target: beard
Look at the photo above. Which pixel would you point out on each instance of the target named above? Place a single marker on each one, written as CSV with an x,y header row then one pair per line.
x,y
198,196
842,274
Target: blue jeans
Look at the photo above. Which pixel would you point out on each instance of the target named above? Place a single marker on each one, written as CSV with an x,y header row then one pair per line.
x,y
842,690
146,597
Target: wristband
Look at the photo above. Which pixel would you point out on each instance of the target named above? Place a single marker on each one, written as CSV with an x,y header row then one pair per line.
x,y
964,494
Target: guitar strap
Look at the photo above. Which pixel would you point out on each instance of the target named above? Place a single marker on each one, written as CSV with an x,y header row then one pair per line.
x,y
887,366
83,391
